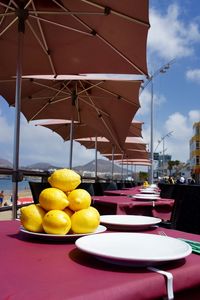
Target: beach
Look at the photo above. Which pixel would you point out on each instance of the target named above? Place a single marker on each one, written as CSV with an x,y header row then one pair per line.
x,y
24,196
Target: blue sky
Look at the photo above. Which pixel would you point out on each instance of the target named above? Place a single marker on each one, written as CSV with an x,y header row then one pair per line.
x,y
174,35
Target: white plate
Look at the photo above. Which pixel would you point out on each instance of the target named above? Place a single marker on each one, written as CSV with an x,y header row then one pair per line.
x,y
149,191
128,222
146,196
134,249
60,237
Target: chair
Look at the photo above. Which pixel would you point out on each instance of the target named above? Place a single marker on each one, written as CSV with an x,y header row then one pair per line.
x,y
105,208
36,188
98,189
87,186
166,190
120,185
109,186
186,211
129,184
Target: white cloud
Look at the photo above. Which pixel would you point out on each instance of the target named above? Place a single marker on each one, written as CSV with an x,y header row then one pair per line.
x,y
182,132
194,115
145,102
193,75
177,143
169,37
39,144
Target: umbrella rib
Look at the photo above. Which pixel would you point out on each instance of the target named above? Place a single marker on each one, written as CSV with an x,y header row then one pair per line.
x,y
7,6
39,111
68,13
6,15
120,54
99,110
9,25
61,25
92,102
110,10
116,95
104,122
45,47
51,87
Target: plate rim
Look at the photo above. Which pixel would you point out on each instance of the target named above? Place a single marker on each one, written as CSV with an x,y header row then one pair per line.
x,y
130,225
101,227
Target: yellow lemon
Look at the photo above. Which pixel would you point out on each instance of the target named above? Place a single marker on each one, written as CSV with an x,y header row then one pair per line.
x,y
31,217
68,211
52,198
85,221
65,180
95,211
79,199
56,222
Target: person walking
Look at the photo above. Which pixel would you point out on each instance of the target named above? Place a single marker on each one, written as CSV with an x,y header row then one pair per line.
x,y
1,198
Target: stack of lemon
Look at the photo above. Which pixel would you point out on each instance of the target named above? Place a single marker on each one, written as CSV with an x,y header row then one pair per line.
x,y
62,208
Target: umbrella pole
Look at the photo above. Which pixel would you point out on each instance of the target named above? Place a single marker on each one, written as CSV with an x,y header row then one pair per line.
x,y
15,177
122,175
71,143
113,150
95,157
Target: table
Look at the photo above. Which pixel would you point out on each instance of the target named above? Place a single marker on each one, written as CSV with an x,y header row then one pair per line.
x,y
123,192
36,270
160,208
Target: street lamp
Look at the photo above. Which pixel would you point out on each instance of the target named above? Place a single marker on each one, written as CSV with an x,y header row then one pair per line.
x,y
161,70
163,139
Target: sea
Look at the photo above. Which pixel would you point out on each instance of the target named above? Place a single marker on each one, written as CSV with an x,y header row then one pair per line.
x,y
6,185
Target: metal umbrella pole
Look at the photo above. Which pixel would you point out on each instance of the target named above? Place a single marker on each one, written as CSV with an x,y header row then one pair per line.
x,y
71,143
16,175
96,157
163,69
112,171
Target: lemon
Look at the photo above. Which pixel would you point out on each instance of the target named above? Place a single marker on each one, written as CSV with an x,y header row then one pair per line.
x,y
56,222
64,179
85,221
31,217
68,211
95,210
79,199
53,198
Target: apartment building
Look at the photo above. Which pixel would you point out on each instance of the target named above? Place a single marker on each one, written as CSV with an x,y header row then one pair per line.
x,y
195,151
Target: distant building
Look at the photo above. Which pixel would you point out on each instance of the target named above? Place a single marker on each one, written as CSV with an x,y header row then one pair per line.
x,y
195,151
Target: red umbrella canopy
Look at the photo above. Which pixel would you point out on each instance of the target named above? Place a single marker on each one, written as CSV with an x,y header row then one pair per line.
x,y
63,127
105,147
135,129
139,162
106,106
81,130
128,154
73,37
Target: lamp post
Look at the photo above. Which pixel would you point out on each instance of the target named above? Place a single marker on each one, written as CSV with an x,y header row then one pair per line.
x,y
161,70
163,149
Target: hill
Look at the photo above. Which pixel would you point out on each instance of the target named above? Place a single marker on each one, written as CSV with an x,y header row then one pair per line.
x,y
103,166
4,163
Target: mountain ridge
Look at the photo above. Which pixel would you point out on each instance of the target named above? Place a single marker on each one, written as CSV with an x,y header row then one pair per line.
x,y
103,166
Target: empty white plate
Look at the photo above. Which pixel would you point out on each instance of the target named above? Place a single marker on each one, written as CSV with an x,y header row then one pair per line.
x,y
146,196
135,249
128,222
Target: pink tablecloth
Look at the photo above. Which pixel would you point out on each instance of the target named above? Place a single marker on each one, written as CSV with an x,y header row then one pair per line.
x,y
125,205
123,192
32,269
